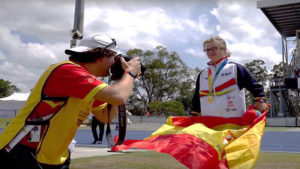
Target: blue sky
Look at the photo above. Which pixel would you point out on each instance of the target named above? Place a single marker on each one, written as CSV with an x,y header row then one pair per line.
x,y
35,33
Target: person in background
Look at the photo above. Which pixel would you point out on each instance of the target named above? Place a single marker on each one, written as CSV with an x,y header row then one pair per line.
x,y
129,122
220,87
94,124
39,136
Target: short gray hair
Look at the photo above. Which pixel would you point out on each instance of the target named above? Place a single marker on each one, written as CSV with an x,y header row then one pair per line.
x,y
219,41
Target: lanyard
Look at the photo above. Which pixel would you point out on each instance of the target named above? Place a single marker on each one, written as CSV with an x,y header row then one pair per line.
x,y
212,81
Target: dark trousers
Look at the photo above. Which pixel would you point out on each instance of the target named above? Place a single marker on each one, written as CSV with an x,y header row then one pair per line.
x,y
23,157
95,123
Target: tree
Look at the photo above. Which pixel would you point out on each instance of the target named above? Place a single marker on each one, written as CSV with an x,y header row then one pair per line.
x,y
166,77
188,89
258,69
278,70
168,108
6,88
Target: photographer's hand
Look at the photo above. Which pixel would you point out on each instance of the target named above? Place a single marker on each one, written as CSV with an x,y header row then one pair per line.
x,y
133,65
118,93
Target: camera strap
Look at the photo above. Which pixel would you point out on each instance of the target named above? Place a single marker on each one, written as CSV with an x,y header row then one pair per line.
x,y
122,123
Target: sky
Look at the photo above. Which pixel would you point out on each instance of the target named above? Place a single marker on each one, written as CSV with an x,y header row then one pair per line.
x,y
35,33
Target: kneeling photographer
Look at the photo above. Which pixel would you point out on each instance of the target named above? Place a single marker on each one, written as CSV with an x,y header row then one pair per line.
x,y
66,93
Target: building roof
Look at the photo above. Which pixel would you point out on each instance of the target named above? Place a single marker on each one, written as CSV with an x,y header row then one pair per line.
x,y
16,97
283,14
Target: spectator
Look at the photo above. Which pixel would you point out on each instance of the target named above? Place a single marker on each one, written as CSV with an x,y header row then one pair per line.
x,y
94,124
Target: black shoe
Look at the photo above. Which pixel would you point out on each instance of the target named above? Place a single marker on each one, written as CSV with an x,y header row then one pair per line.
x,y
94,142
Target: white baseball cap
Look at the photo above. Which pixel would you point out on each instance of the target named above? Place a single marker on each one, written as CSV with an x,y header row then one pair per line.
x,y
91,42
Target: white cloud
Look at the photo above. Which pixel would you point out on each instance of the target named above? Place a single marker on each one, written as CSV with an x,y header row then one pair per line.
x,y
19,75
142,28
34,34
24,61
245,52
2,56
45,20
195,52
247,31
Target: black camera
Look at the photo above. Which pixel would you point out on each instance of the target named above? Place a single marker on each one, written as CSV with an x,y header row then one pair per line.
x,y
117,71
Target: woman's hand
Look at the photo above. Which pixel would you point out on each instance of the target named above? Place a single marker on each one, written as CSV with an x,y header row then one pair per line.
x,y
261,106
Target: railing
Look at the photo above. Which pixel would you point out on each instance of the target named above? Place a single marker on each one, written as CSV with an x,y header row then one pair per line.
x,y
294,64
135,119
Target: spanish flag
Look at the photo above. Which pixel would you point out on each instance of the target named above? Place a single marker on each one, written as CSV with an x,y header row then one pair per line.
x,y
207,142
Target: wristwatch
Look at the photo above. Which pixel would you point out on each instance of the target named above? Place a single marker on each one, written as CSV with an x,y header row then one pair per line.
x,y
131,73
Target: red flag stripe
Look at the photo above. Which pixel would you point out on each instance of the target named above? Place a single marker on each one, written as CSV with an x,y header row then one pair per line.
x,y
212,121
208,121
187,149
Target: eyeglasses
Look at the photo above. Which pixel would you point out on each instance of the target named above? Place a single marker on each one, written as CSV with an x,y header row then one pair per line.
x,y
113,43
108,52
210,49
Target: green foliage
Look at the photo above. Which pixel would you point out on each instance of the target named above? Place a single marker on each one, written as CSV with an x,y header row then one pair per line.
x,y
168,108
258,69
167,77
278,70
277,74
136,109
187,89
6,88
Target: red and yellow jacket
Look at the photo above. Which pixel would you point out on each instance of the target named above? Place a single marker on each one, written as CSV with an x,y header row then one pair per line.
x,y
61,100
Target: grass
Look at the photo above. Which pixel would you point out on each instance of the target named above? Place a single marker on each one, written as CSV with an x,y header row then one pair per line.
x,y
154,160
130,160
277,161
280,129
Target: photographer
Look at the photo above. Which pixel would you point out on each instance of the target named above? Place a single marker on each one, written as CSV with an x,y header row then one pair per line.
x,y
38,137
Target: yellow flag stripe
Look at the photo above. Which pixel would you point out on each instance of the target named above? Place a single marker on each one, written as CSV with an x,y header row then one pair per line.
x,y
214,137
244,151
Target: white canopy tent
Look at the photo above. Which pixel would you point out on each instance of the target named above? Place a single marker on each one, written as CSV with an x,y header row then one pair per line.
x,y
10,105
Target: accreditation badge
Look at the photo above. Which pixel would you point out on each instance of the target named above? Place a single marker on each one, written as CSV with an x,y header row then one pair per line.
x,y
35,134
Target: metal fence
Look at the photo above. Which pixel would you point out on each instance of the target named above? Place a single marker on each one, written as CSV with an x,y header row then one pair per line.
x,y
134,119
148,119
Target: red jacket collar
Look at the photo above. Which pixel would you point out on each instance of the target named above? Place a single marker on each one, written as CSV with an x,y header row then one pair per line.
x,y
210,63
